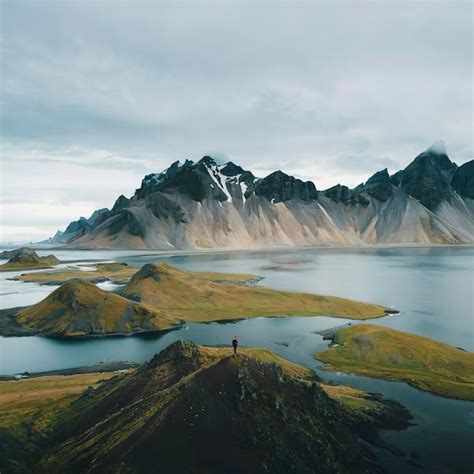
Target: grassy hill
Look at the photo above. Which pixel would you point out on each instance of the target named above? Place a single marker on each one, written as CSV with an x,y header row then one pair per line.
x,y
200,407
198,297
385,353
27,259
80,308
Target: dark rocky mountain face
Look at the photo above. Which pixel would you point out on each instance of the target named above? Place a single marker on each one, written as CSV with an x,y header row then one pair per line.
x,y
428,177
97,215
378,185
121,203
342,194
280,187
377,178
463,180
126,219
77,226
80,227
198,181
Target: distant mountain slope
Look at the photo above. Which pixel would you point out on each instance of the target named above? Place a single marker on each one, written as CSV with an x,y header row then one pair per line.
x,y
206,205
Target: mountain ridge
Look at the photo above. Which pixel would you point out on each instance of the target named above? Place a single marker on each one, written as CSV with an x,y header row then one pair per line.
x,y
200,407
201,204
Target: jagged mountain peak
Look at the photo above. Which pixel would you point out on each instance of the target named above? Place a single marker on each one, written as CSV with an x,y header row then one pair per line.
x,y
280,187
437,148
231,169
121,203
427,178
378,177
207,160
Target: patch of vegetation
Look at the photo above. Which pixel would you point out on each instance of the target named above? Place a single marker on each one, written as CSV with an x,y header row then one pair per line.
x,y
28,405
196,297
351,398
80,308
118,273
385,353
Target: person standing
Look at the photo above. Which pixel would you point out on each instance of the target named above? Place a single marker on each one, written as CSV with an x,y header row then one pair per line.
x,y
235,343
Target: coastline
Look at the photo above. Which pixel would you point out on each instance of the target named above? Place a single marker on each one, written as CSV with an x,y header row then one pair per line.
x,y
101,367
184,251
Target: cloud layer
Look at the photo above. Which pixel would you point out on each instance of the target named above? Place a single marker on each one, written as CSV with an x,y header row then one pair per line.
x,y
97,94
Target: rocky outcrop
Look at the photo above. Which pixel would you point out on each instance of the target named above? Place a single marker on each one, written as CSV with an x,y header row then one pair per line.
x,y
279,187
463,180
26,258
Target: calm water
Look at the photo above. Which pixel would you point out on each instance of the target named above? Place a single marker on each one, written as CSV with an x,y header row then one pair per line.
x,y
432,287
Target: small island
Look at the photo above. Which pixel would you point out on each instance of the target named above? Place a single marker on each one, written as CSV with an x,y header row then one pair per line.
x,y
159,297
26,258
118,273
178,408
380,352
204,297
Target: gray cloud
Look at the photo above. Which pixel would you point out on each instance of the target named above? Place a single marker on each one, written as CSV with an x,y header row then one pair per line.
x,y
97,94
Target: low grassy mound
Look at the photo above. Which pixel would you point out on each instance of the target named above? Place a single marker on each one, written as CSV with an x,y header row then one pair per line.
x,y
27,259
119,273
199,298
385,353
201,407
80,308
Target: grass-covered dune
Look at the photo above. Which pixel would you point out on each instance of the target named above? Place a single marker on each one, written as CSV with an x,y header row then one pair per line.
x,y
189,406
385,353
197,297
27,259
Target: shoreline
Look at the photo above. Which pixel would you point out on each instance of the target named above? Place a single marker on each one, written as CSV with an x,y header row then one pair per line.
x,y
100,367
13,330
142,252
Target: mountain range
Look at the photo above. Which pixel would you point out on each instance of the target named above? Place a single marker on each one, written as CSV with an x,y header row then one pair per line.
x,y
203,204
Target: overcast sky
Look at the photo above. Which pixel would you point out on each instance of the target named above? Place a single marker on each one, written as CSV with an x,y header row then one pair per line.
x,y
94,95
